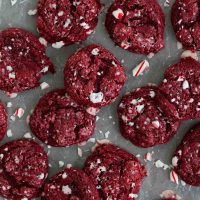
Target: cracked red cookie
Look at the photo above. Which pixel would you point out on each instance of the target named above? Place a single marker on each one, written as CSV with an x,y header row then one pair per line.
x,y
23,169
186,23
22,61
59,121
72,184
181,86
116,173
93,76
186,160
67,22
136,25
147,118
3,121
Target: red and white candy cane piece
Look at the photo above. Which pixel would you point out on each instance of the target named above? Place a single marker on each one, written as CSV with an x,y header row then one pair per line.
x,y
138,70
44,85
11,95
167,3
174,177
189,53
148,156
92,111
19,112
118,14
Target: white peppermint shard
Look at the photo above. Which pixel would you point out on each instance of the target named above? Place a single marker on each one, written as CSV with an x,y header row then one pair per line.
x,y
96,97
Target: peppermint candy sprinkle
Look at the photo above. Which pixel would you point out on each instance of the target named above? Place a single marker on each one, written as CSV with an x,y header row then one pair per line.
x,y
118,14
189,53
139,69
19,112
174,177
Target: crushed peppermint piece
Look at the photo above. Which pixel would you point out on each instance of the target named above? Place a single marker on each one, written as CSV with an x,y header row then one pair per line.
x,y
150,55
13,2
61,163
167,3
141,68
96,97
45,69
9,133
169,194
148,156
27,135
156,124
160,164
58,45
69,165
174,177
66,189
41,176
43,41
80,152
92,140
64,175
185,85
61,13
95,52
107,134
11,95
9,105
85,25
183,183
19,112
67,23
139,108
118,14
179,45
92,111
32,12
152,94
189,53
44,86
175,161
131,195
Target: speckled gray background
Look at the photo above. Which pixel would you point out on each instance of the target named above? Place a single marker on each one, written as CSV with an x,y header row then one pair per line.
x,y
158,180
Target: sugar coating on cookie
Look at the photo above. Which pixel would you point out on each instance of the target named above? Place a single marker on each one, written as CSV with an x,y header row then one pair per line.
x,y
147,118
72,184
58,120
67,22
137,26
22,61
185,22
186,160
93,76
181,86
116,173
23,169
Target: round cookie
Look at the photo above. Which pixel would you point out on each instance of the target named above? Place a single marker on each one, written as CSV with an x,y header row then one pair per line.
x,y
59,121
67,22
146,118
186,23
23,169
22,61
186,160
93,76
71,184
116,173
137,26
181,87
3,121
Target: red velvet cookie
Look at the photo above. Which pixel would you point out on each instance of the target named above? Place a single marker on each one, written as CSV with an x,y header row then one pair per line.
x,y
136,25
93,76
186,160
3,121
147,118
186,22
22,61
59,121
116,173
70,184
67,21
23,169
181,87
